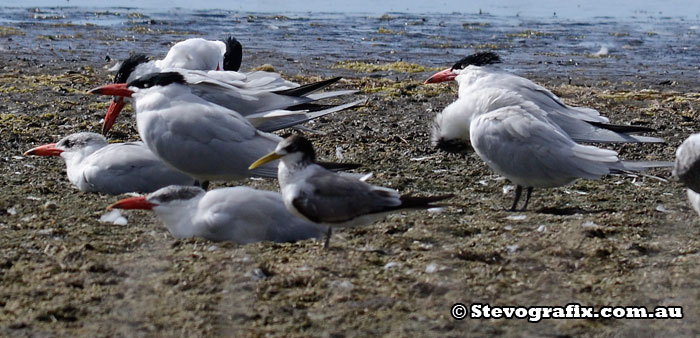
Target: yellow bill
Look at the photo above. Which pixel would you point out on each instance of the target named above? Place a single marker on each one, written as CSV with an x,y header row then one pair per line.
x,y
267,158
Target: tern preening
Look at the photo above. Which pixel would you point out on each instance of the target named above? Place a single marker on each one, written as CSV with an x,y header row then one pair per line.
x,y
687,168
93,165
239,214
477,73
192,54
205,140
519,142
324,197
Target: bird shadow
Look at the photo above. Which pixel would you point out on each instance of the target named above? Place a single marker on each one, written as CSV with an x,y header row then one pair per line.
x,y
570,211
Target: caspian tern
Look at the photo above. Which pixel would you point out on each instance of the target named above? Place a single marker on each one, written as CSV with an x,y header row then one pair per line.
x,y
192,54
518,141
200,138
239,214
266,99
475,72
95,166
687,168
324,197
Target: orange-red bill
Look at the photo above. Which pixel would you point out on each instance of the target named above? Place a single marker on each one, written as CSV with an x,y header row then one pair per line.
x,y
115,89
112,113
45,150
138,202
442,76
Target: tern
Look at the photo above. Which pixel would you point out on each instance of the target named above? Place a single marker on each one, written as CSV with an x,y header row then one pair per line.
x,y
266,99
93,165
324,197
239,214
475,72
205,140
520,142
192,54
687,168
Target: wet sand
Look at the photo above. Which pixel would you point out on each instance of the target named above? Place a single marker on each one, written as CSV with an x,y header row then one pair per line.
x,y
619,241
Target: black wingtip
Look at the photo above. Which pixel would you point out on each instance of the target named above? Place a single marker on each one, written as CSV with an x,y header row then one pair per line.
x,y
233,55
622,128
339,166
308,88
408,201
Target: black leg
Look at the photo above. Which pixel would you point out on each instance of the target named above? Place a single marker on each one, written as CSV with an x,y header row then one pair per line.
x,y
527,198
518,192
203,184
328,237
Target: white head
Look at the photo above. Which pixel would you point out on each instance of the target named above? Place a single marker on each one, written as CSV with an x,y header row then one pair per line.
x,y
293,151
72,148
174,204
475,60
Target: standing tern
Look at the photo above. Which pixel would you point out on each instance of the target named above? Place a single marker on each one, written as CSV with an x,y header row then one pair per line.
x,y
475,72
193,54
239,214
321,196
200,138
518,141
687,168
95,166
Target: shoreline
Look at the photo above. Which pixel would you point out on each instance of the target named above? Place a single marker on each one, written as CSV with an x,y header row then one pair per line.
x,y
619,241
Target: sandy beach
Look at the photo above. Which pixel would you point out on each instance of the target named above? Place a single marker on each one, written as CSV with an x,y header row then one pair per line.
x,y
618,241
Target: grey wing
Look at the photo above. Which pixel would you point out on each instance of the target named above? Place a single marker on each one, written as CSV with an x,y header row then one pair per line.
x,y
546,100
245,215
281,119
209,141
245,101
581,130
530,152
331,198
129,167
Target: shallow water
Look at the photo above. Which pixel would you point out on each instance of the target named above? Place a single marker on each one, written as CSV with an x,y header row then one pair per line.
x,y
656,47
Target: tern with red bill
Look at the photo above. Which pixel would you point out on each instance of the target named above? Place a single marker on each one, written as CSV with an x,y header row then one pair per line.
x,y
267,99
239,214
264,98
324,197
518,141
200,138
477,72
93,165
192,54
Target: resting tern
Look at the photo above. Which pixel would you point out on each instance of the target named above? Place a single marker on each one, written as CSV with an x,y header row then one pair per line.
x,y
475,72
192,54
518,141
195,136
239,214
95,166
321,196
687,168
266,99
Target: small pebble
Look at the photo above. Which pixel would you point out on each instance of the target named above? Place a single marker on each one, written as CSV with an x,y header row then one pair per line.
x,y
390,265
431,268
